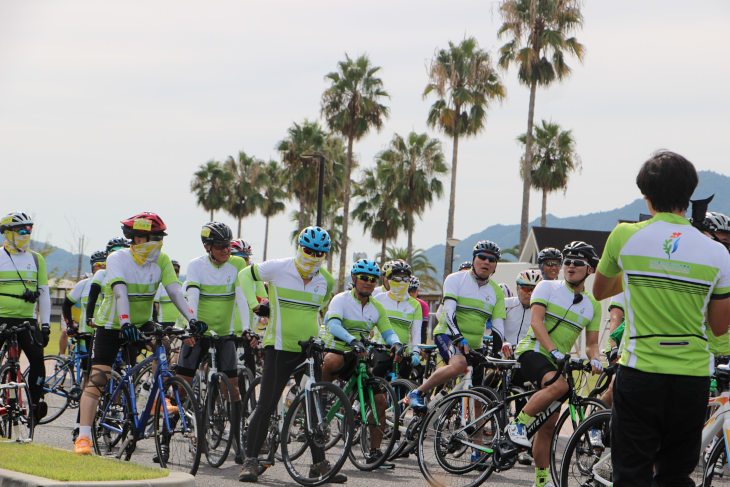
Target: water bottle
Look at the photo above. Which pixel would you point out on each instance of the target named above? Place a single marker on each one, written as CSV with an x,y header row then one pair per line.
x,y
144,393
290,397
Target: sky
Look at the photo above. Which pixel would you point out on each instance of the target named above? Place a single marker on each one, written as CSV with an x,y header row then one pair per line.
x,y
108,108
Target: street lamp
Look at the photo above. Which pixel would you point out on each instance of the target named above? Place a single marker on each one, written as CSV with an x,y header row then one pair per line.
x,y
320,190
450,244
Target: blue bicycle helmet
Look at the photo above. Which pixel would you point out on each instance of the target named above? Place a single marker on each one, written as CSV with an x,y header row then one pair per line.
x,y
315,238
98,256
364,266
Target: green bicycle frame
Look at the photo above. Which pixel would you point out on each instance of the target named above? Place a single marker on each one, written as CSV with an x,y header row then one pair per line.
x,y
356,380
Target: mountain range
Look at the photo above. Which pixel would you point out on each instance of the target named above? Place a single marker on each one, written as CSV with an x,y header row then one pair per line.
x,y
507,236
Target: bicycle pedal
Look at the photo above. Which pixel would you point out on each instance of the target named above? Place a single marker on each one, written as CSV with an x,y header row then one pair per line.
x,y
266,463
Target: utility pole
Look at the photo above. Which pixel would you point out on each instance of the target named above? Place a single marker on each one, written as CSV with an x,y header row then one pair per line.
x,y
81,257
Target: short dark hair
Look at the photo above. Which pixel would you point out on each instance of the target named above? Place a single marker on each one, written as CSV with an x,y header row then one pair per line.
x,y
668,181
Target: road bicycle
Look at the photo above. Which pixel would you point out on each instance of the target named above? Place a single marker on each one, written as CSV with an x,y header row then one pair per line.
x,y
16,408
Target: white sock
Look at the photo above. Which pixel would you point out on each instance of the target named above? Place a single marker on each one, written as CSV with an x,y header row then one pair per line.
x,y
85,432
76,426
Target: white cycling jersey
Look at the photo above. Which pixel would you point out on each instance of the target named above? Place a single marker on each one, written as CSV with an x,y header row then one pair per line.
x,y
517,323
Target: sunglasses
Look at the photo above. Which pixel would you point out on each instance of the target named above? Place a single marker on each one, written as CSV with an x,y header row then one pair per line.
x,y
400,279
527,289
156,238
313,253
221,245
575,262
366,278
23,230
102,263
552,264
490,258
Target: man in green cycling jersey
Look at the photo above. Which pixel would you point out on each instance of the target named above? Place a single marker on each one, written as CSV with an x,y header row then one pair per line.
x,y
560,311
298,289
549,260
350,314
133,275
673,278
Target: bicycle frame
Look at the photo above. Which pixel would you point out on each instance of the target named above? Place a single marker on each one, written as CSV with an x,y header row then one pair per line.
x,y
10,390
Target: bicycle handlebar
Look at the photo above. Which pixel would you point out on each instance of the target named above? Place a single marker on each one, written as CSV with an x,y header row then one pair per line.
x,y
561,367
4,330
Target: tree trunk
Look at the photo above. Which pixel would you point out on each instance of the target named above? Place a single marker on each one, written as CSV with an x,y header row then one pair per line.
x,y
409,249
345,218
543,219
266,237
449,260
383,253
525,221
239,226
330,261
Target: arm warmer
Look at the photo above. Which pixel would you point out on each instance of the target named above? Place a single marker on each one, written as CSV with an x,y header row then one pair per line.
x,y
248,286
497,336
121,297
334,325
193,300
416,335
450,316
390,337
44,305
242,309
94,292
66,311
174,291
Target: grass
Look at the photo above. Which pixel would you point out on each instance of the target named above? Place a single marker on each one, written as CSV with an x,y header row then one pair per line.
x,y
64,465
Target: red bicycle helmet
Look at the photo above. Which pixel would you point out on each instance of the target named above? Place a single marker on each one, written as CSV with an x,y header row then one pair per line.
x,y
143,224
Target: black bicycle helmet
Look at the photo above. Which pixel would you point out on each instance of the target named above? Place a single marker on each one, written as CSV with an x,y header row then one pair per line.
x,y
465,265
581,250
98,256
549,253
116,244
397,266
174,263
215,232
487,247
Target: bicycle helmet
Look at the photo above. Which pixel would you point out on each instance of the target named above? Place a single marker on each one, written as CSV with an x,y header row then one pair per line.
x,y
530,277
465,265
240,247
174,263
414,284
549,253
349,286
116,244
717,222
97,257
487,247
143,225
315,238
506,290
583,251
16,219
215,232
364,266
397,266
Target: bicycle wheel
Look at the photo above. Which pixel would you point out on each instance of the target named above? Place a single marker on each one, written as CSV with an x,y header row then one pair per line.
x,y
309,455
716,468
369,429
112,431
565,427
57,385
218,418
178,438
143,381
602,383
586,461
17,424
245,379
447,455
402,388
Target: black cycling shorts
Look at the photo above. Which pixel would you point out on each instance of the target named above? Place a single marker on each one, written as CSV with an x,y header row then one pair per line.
x,y
107,344
189,358
534,366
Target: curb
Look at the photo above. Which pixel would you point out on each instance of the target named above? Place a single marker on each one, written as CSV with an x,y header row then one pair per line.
x,y
11,478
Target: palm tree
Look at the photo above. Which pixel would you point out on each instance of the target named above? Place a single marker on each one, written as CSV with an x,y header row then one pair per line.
x,y
376,210
210,185
302,172
249,178
411,170
554,158
464,81
538,42
513,251
422,267
351,107
273,196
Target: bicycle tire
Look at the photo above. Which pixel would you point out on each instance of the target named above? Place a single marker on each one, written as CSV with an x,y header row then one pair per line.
x,y
245,379
602,383
323,396
565,427
587,461
17,424
444,433
359,456
248,406
56,385
184,441
218,418
107,442
402,388
716,470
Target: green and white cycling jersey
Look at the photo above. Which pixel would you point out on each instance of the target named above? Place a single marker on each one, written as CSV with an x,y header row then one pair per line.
x,y
141,281
253,319
564,320
356,318
468,307
379,290
80,295
100,279
670,271
617,302
168,311
18,272
294,306
406,319
214,291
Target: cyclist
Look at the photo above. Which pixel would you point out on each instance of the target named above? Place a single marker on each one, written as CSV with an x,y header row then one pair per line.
x,y
133,275
562,309
406,318
80,295
354,312
470,300
549,260
164,311
719,225
506,290
413,290
517,322
241,248
298,289
98,282
19,292
465,266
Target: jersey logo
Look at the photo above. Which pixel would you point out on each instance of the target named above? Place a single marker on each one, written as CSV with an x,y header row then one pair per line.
x,y
671,244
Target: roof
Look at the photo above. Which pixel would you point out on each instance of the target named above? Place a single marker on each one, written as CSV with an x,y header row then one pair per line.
x,y
541,237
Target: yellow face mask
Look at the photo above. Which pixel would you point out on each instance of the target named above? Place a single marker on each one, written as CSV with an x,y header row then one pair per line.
x,y
307,265
398,290
16,243
147,252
